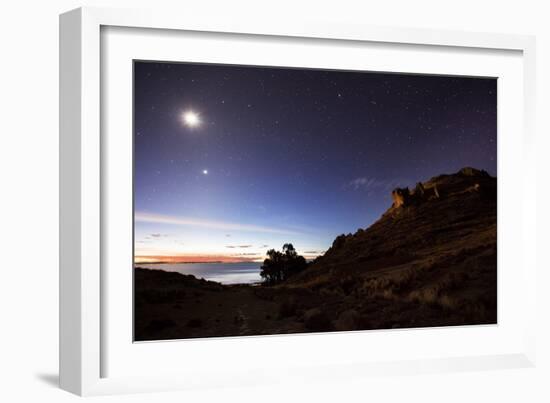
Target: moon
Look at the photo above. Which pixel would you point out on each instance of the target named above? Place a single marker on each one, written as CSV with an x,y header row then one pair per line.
x,y
191,119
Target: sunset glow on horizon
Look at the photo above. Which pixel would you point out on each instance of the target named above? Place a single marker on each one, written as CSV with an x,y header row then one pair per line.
x,y
192,259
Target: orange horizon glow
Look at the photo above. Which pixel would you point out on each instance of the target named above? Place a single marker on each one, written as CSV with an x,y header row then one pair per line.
x,y
144,259
195,259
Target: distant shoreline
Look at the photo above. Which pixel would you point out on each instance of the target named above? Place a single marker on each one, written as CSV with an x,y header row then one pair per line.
x,y
221,273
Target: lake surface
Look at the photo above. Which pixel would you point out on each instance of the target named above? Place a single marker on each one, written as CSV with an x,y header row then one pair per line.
x,y
225,273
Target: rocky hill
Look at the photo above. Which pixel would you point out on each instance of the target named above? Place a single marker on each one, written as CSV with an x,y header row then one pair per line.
x,y
430,260
444,221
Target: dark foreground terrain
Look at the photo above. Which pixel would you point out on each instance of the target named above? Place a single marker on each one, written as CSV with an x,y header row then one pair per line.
x,y
430,260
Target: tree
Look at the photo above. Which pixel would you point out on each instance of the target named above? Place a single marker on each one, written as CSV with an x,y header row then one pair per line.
x,y
279,266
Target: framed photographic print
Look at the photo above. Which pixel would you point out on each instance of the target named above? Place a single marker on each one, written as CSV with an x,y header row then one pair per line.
x,y
275,191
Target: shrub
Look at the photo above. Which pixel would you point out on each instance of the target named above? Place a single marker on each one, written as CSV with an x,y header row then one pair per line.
x,y
279,266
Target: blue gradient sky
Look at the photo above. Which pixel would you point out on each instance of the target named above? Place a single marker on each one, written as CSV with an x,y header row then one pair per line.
x,y
291,155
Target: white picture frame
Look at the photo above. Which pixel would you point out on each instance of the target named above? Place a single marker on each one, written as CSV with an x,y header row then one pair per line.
x,y
86,345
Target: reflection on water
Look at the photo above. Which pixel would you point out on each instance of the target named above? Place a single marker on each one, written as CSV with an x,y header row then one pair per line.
x,y
225,273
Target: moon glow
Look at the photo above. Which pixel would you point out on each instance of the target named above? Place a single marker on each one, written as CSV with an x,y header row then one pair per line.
x,y
191,119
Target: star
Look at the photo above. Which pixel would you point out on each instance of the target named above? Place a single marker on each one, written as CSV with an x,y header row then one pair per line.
x,y
205,171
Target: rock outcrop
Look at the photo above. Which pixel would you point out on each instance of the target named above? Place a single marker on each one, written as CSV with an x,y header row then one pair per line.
x,y
443,186
421,193
469,171
400,197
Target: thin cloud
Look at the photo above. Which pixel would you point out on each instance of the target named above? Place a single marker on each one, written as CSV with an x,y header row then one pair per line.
x,y
238,246
365,183
195,222
371,184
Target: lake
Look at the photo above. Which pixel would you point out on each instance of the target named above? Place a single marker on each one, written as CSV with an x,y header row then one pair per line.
x,y
225,273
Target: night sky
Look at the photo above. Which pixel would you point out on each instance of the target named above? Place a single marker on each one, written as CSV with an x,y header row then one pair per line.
x,y
231,161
